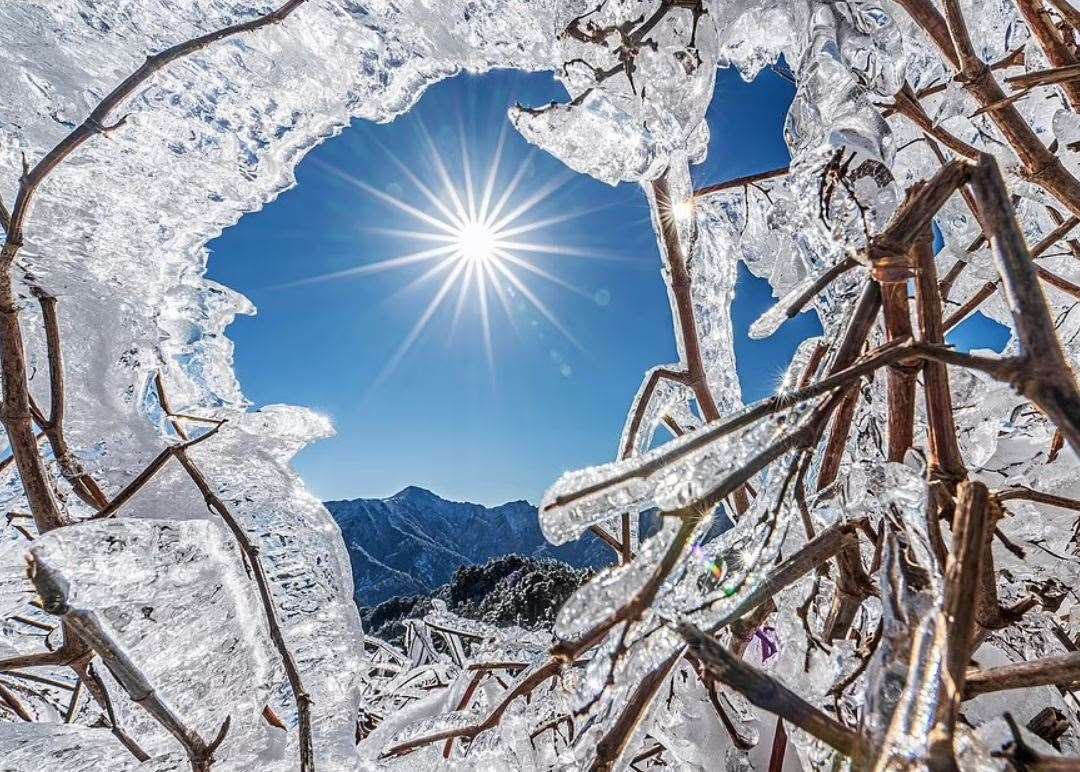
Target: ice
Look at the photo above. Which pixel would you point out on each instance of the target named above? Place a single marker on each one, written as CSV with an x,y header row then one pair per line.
x,y
674,476
617,127
118,234
157,586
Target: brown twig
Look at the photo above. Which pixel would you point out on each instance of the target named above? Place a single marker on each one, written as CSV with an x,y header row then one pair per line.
x,y
1000,368
8,698
740,182
611,747
1056,53
53,590
1046,379
1062,670
146,475
767,693
523,687
972,528
949,34
254,563
85,487
946,462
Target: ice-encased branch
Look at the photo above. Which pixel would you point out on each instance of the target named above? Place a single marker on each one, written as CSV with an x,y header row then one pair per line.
x,y
53,589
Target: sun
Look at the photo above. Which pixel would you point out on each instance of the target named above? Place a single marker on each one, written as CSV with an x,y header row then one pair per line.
x,y
483,244
477,243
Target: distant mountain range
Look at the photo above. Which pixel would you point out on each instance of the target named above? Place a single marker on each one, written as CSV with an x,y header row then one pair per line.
x,y
412,542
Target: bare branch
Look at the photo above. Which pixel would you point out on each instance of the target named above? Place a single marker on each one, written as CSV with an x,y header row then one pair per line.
x,y
767,693
15,409
1040,165
53,590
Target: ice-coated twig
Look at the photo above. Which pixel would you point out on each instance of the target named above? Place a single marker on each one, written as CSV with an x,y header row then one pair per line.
x,y
85,487
53,590
612,746
88,675
900,378
1023,493
146,475
1046,379
1001,368
633,607
7,697
1024,758
945,459
1053,47
251,557
791,305
949,34
1068,12
675,259
972,526
766,692
811,555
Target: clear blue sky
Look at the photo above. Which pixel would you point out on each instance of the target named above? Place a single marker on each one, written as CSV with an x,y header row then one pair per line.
x,y
442,418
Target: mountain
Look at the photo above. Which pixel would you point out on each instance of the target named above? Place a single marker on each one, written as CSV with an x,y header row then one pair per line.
x,y
412,542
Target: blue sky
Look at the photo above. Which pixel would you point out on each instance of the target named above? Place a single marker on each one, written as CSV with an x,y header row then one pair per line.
x,y
443,417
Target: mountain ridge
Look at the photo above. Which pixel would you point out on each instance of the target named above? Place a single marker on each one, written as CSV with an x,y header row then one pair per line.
x,y
412,542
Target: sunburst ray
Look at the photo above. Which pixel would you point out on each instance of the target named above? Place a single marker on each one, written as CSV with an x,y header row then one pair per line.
x,y
475,223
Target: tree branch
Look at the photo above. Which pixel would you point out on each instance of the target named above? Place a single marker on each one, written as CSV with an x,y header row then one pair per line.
x,y
85,487
1062,670
147,474
1046,379
972,527
53,590
1056,53
765,692
740,182
251,557
524,687
1040,166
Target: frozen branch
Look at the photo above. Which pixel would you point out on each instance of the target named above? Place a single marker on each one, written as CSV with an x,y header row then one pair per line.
x,y
1046,379
53,590
767,693
254,563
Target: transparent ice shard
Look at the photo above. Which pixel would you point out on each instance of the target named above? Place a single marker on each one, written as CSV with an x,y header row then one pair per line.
x,y
175,596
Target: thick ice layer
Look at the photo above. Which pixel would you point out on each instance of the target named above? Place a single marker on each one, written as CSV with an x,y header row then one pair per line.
x,y
158,587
